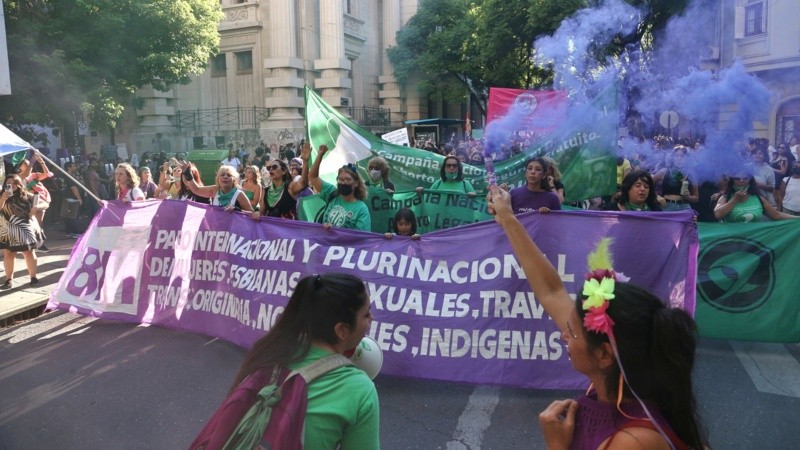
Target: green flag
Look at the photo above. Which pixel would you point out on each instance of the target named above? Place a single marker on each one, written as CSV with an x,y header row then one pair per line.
x,y
586,159
747,287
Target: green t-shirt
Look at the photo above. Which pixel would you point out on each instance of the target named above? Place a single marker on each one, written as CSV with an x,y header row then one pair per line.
x,y
750,210
344,214
452,185
342,408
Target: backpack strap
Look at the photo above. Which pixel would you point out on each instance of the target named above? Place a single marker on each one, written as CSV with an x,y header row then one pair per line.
x,y
320,367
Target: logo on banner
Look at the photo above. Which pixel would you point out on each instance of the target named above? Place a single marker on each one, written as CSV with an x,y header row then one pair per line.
x,y
736,274
525,103
107,275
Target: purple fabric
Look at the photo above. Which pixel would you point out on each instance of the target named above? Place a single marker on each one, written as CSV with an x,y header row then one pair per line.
x,y
524,200
450,306
596,421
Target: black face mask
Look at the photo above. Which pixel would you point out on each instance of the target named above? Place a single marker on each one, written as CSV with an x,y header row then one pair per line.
x,y
344,189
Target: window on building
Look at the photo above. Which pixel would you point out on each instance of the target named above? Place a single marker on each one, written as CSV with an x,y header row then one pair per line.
x,y
244,63
218,66
349,6
755,17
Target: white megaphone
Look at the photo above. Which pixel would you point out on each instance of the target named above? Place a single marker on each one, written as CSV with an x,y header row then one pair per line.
x,y
368,357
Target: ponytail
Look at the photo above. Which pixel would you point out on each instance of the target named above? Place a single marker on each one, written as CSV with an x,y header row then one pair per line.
x,y
671,360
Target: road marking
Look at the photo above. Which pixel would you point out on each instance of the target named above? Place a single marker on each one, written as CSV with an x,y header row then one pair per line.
x,y
771,367
475,419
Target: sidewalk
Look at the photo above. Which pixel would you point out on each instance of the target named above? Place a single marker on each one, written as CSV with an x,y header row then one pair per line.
x,y
24,301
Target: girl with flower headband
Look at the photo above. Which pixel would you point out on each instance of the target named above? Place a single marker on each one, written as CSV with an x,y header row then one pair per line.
x,y
637,352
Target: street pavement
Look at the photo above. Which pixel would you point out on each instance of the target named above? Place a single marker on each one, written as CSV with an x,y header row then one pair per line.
x,y
74,382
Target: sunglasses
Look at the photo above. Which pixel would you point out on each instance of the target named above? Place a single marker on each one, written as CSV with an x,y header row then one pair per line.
x,y
275,167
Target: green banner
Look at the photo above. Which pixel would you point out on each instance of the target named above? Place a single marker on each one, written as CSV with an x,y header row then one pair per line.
x,y
435,210
586,159
747,287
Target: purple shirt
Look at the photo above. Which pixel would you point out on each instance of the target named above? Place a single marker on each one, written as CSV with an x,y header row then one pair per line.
x,y
597,421
525,200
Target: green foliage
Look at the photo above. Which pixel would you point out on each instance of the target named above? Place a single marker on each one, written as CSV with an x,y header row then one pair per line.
x,y
65,53
456,45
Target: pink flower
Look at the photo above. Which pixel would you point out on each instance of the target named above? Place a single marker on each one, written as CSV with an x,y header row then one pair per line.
x,y
597,320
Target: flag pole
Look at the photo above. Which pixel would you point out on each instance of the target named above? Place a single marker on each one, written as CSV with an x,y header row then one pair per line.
x,y
64,172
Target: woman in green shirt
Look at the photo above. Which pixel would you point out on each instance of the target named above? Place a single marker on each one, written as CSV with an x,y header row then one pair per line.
x,y
225,192
742,202
452,178
326,314
345,207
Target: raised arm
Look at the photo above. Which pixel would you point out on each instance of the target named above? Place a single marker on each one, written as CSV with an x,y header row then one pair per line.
x,y
191,183
313,174
542,276
296,186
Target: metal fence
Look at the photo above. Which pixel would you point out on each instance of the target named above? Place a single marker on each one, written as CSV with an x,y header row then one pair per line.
x,y
240,118
237,118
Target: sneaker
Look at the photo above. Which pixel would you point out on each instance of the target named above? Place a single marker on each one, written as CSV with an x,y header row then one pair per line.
x,y
43,249
34,281
7,285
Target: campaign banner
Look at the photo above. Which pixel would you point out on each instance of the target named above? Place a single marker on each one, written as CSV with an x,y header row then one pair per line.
x,y
586,157
535,111
453,305
434,210
747,282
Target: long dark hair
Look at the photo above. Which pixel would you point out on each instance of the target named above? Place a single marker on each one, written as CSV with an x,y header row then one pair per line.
x,y
318,303
442,172
544,184
752,188
656,346
408,215
630,180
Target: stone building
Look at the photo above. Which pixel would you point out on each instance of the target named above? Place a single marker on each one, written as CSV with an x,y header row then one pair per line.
x,y
253,89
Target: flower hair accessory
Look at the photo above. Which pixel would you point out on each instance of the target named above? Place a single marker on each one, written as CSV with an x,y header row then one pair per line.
x,y
599,289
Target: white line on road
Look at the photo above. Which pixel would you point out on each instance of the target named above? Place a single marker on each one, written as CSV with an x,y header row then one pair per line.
x,y
771,367
475,419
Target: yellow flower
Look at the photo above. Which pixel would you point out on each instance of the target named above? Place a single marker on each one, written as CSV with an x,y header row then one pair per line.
x,y
597,292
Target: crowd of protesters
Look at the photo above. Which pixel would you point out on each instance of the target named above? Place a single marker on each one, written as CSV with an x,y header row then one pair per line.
x,y
656,175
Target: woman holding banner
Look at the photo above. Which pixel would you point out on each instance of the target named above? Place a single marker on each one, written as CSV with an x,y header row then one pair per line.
x,y
637,353
452,177
742,202
345,207
225,192
537,194
637,193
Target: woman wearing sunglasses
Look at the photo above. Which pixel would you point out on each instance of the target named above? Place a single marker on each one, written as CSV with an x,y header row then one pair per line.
x,y
280,195
452,177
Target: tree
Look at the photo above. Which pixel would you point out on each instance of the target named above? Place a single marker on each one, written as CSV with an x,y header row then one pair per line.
x,y
91,55
456,46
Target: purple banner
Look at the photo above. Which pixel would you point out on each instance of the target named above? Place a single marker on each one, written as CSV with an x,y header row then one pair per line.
x,y
453,305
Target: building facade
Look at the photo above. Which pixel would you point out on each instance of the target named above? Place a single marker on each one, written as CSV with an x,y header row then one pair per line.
x,y
252,91
765,36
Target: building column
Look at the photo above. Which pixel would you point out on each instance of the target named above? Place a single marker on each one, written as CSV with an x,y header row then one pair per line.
x,y
390,93
285,87
333,83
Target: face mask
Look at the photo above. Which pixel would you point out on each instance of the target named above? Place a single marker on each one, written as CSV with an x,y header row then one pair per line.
x,y
741,188
344,189
451,176
375,174
795,170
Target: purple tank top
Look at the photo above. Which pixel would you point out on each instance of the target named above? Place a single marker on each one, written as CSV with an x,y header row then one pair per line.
x,y
596,421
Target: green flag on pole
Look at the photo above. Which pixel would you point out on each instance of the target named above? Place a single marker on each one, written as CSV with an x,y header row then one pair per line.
x,y
586,159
